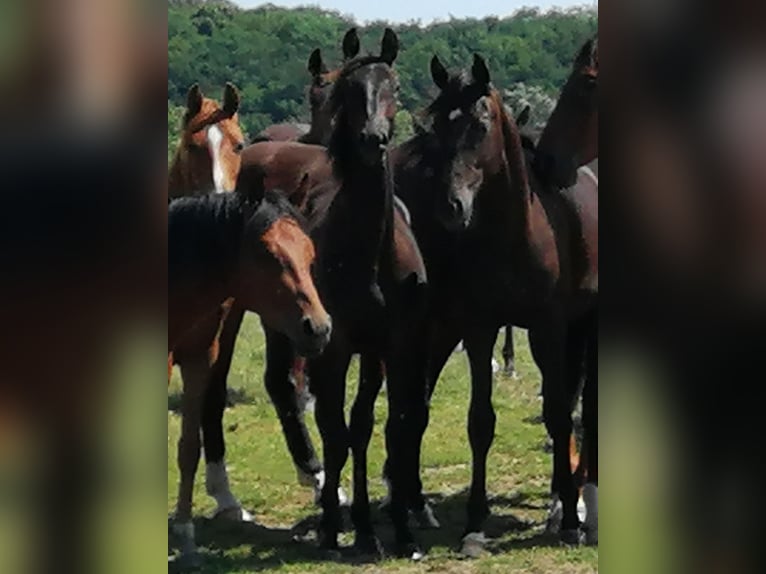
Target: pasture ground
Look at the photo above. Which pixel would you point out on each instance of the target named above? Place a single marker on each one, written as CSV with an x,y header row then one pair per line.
x,y
264,479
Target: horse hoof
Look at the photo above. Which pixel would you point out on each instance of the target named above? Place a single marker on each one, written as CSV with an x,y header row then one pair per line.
x,y
411,551
555,516
368,545
572,537
184,533
328,541
233,514
591,537
426,519
474,544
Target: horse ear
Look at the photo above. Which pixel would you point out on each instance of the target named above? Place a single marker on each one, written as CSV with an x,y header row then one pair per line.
x,y
439,73
389,47
586,54
193,101
230,99
350,44
315,63
479,71
523,118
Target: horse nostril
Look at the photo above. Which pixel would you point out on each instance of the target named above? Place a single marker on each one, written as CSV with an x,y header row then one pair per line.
x,y
308,327
457,207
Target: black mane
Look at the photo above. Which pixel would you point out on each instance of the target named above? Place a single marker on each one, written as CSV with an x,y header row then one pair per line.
x,y
205,232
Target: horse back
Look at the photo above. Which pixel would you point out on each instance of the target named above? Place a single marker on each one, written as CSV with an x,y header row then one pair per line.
x,y
582,197
287,166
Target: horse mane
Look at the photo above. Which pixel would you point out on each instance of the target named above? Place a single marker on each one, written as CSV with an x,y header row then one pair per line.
x,y
205,232
515,156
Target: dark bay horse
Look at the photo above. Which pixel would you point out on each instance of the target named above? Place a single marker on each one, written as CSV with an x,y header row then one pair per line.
x,y
207,157
309,469
223,247
528,257
371,276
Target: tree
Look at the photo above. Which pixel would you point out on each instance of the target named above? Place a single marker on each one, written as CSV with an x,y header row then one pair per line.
x,y
264,52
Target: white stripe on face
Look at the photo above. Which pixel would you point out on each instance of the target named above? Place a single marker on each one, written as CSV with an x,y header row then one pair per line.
x,y
214,139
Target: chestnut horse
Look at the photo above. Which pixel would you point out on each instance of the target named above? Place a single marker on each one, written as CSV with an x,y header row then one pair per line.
x,y
529,257
207,157
374,285
222,247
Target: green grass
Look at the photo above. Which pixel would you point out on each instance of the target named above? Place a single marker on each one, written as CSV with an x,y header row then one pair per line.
x,y
263,477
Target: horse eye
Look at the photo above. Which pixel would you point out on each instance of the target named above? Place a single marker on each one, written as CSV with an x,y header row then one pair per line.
x,y
239,147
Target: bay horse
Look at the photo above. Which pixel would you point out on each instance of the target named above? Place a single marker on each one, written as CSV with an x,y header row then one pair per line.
x,y
224,247
528,257
372,277
207,156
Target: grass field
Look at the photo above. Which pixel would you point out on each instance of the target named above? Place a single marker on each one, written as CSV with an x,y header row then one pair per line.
x,y
263,477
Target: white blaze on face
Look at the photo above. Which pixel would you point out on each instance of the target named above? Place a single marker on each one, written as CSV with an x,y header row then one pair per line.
x,y
214,140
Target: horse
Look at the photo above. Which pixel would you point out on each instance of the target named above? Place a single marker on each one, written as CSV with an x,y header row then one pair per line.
x,y
528,140
322,80
309,469
528,257
317,132
225,247
209,147
374,286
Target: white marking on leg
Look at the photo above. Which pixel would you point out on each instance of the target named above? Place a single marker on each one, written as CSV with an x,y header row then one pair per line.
x,y
214,139
217,486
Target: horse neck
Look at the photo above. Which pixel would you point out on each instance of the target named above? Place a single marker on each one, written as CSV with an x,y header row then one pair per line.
x,y
362,209
505,200
417,190
320,130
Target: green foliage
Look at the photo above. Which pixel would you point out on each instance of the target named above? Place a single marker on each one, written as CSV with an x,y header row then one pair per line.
x,y
404,127
265,52
541,103
175,115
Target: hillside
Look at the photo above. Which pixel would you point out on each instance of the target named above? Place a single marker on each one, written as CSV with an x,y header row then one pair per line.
x,y
264,52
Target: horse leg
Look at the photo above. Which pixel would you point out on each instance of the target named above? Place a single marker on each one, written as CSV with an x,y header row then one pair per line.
x,y
509,353
195,374
590,424
279,361
362,422
407,420
549,348
213,406
574,376
327,382
481,432
445,336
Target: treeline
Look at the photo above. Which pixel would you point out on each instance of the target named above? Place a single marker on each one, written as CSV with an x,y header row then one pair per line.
x,y
264,52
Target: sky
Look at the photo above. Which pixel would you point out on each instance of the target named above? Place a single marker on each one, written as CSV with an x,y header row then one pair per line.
x,y
424,10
